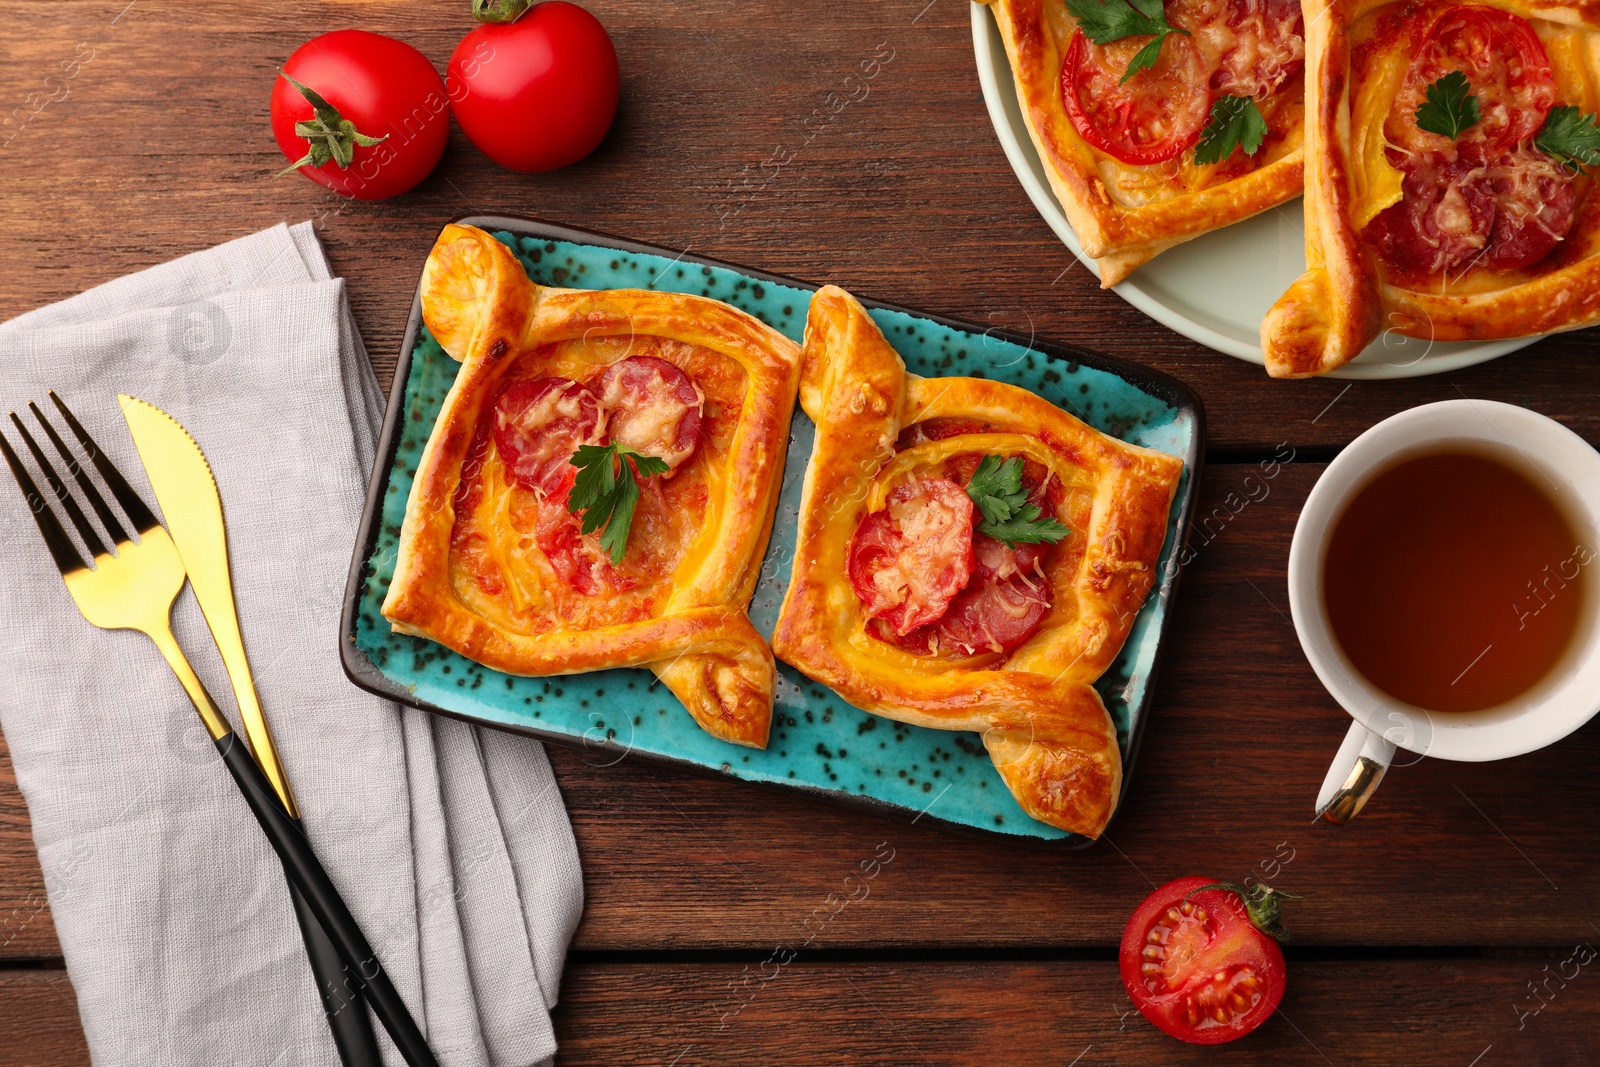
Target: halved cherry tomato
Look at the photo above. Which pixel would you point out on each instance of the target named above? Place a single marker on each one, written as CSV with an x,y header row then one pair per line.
x,y
909,560
1151,117
1503,62
652,407
1198,963
539,424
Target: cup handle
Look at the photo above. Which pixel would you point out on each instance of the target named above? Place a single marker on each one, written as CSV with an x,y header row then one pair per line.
x,y
1354,775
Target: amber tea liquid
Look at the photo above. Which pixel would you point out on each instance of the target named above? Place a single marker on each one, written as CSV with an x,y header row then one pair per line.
x,y
1455,582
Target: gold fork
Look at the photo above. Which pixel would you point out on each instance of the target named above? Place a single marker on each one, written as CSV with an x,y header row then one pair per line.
x,y
132,588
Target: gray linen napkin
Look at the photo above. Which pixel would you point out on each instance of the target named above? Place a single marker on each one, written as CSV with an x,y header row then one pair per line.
x,y
450,844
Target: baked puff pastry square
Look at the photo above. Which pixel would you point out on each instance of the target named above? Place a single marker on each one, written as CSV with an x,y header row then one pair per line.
x,y
491,562
1120,149
1448,193
907,600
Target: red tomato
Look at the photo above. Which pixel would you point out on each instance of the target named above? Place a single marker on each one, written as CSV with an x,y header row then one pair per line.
x,y
652,407
538,425
1507,68
1151,117
1203,967
988,616
538,93
909,560
386,89
576,557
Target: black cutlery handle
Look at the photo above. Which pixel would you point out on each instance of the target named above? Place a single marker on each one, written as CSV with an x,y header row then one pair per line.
x,y
341,1001
361,964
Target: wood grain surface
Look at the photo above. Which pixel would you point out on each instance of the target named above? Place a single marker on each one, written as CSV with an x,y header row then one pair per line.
x,y
159,146
1466,1013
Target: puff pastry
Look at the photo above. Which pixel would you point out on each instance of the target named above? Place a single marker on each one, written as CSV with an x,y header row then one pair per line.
x,y
1475,237
1127,206
1015,652
491,565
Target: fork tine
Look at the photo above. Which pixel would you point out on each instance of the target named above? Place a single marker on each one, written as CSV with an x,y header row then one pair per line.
x,y
108,518
90,537
55,538
140,515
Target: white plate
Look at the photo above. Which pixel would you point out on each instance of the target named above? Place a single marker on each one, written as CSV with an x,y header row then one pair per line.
x,y
1216,288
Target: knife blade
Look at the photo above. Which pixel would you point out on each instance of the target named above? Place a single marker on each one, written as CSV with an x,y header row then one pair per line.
x,y
187,492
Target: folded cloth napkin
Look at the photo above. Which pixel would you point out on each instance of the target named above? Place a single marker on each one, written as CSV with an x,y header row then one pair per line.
x,y
449,843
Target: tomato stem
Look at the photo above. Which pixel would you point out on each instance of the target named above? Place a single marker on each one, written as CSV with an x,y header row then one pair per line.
x,y
1262,903
499,10
332,137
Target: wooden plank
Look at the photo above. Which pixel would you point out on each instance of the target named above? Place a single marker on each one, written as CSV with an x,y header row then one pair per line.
x,y
904,195
1461,1012
1241,736
26,931
1458,1012
39,1017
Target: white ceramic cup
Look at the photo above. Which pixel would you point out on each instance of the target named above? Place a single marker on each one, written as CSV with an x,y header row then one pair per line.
x,y
1563,701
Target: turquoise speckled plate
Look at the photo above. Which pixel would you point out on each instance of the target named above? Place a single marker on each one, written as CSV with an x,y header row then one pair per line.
x,y
820,744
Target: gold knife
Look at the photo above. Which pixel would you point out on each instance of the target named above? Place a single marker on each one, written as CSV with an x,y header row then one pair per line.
x,y
187,492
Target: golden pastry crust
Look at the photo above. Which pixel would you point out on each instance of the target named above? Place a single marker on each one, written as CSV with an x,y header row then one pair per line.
x,y
691,628
1347,296
1041,720
1173,202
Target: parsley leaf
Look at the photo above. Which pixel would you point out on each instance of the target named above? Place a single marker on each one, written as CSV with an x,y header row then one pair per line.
x,y
996,490
1026,526
1449,107
607,489
1234,121
1104,21
1573,138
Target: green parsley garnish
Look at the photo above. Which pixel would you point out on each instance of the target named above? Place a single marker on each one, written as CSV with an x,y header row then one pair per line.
x,y
1234,121
996,489
1104,21
1449,107
1571,137
607,489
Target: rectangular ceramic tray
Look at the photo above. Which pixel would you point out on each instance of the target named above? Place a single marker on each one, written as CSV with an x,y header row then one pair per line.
x,y
820,745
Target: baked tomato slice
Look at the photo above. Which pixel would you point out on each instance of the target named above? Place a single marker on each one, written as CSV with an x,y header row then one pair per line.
x,y
576,557
1504,63
909,560
1150,118
1201,959
652,407
538,425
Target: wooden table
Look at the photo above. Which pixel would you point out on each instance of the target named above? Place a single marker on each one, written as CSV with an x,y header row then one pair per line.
x,y
1431,928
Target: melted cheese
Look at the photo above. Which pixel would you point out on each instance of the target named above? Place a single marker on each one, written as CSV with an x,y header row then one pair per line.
x,y
935,537
1519,183
1250,58
532,424
1375,183
648,422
